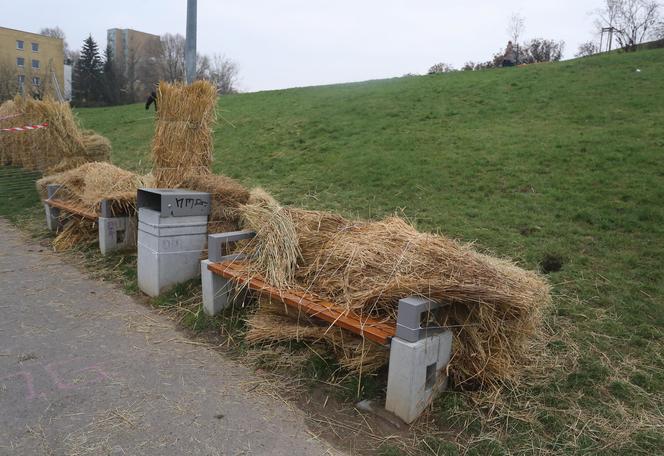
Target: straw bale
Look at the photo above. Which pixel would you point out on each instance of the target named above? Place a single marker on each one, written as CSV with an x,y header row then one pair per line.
x,y
493,306
53,149
97,147
65,165
182,144
279,252
46,147
8,108
72,182
90,183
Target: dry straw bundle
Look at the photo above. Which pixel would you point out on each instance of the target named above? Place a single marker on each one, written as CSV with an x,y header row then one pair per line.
x,y
58,147
86,186
76,233
493,306
8,115
97,147
182,145
273,323
277,256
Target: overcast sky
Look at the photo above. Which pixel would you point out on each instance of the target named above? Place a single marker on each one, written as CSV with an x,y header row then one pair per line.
x,y
288,43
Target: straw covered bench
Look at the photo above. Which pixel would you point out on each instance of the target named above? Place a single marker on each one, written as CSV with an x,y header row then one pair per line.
x,y
418,354
116,231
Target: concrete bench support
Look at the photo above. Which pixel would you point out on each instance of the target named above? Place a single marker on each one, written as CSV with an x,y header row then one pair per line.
x,y
115,232
52,213
418,361
218,292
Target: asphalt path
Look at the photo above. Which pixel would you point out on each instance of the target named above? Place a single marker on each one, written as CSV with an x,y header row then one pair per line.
x,y
86,370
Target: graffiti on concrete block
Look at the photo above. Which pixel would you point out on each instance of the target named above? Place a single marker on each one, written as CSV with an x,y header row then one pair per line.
x,y
190,203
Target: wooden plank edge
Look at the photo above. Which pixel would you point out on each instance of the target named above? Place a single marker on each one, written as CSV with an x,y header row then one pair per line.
x,y
376,331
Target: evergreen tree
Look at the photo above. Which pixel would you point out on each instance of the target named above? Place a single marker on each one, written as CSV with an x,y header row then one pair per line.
x,y
113,82
88,73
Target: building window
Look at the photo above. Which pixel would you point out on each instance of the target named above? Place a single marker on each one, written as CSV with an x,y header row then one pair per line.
x,y
35,64
36,81
20,44
35,47
20,62
21,83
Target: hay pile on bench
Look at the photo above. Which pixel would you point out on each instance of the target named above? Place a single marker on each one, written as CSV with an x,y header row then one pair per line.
x,y
60,146
85,188
182,144
493,306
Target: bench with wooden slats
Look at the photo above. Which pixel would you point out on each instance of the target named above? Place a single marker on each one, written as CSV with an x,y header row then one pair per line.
x,y
372,329
70,209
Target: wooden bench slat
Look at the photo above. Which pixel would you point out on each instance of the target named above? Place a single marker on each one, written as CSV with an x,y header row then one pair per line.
x,y
370,328
71,209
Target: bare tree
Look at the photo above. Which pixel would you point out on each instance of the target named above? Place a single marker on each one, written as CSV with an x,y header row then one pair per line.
x,y
631,20
57,32
440,68
203,66
219,70
173,56
149,65
140,68
128,67
658,31
8,79
74,56
515,27
224,74
588,48
540,50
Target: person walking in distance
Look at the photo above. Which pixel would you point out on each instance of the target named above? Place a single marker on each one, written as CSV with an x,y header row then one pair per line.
x,y
510,56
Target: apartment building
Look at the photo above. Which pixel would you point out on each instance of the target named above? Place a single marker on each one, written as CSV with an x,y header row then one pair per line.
x,y
36,61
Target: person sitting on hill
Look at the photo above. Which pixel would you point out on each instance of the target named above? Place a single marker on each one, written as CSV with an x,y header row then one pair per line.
x,y
510,57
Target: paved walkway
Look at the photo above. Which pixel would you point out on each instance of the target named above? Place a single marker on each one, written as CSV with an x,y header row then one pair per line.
x,y
86,370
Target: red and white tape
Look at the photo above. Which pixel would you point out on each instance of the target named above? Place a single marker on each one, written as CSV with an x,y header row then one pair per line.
x,y
26,127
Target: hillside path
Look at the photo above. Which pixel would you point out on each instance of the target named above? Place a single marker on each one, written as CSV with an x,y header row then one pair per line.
x,y
84,369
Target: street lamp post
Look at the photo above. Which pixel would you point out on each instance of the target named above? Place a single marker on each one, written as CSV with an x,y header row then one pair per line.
x,y
190,48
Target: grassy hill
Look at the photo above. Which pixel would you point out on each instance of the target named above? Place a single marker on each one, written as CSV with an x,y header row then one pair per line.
x,y
551,162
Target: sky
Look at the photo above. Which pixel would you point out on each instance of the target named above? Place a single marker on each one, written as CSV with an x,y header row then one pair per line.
x,y
291,43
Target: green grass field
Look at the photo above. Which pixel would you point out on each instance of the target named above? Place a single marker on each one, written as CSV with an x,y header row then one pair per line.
x,y
552,161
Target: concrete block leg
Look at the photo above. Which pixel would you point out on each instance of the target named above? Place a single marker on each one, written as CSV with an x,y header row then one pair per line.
x,y
417,374
116,233
52,213
218,292
52,217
